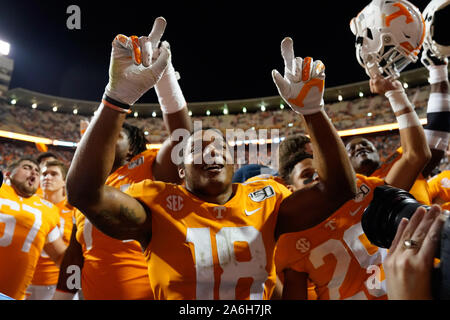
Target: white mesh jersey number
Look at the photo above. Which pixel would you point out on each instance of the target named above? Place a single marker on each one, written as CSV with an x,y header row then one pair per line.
x,y
343,259
233,270
10,224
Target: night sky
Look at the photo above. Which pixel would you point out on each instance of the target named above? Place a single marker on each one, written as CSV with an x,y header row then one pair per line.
x,y
223,49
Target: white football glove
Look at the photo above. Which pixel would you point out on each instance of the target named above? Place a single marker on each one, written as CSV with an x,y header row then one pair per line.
x,y
133,69
303,84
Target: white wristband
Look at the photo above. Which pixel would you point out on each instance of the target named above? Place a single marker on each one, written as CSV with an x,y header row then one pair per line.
x,y
408,120
398,100
438,102
169,93
438,74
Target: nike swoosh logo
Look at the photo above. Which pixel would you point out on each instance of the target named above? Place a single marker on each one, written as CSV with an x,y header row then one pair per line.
x,y
65,211
352,213
249,213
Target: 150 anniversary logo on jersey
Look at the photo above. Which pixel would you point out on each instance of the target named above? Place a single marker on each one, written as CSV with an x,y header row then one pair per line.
x,y
262,194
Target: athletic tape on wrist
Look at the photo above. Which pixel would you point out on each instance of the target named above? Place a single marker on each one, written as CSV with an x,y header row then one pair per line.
x,y
438,102
438,74
398,100
437,139
408,120
169,93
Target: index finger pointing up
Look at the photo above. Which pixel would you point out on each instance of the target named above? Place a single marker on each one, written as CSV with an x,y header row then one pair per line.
x,y
157,31
287,52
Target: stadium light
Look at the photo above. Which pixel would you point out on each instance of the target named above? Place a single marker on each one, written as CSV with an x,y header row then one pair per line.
x,y
55,108
208,112
34,105
340,98
146,133
263,108
136,114
190,113
405,85
361,94
154,114
225,111
244,110
13,101
4,48
281,106
75,111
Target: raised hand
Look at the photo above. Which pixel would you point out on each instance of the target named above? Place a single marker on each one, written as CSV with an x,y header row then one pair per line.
x,y
381,85
303,83
137,64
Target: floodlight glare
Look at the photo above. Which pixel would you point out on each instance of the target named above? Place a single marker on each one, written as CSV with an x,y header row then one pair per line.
x,y
4,48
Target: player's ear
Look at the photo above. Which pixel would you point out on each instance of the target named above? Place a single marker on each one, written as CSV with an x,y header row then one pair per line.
x,y
8,174
290,187
181,172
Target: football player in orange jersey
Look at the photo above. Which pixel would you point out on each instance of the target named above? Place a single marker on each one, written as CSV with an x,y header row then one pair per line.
x,y
53,175
111,268
362,152
208,238
28,224
335,255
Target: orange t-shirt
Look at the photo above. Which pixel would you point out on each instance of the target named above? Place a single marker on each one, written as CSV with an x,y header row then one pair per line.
x,y
26,225
115,269
439,187
336,254
47,272
419,190
204,251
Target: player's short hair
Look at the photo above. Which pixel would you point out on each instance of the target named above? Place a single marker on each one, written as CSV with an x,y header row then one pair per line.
x,y
136,138
60,164
46,155
292,151
13,165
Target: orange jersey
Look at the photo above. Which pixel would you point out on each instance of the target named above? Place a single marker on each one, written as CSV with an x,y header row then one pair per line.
x,y
419,190
201,250
440,187
336,254
47,273
115,269
26,225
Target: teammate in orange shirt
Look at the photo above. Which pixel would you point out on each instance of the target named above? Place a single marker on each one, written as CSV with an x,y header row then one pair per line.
x,y
208,238
336,256
112,269
53,175
28,224
437,132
